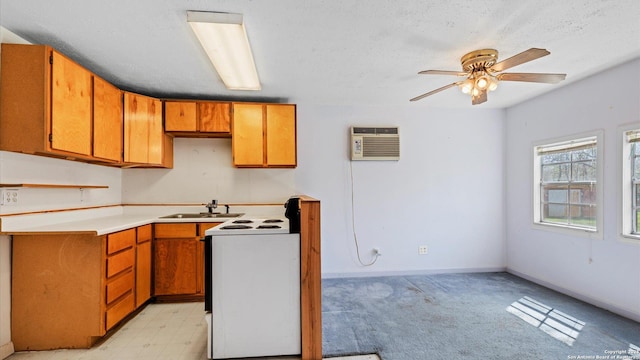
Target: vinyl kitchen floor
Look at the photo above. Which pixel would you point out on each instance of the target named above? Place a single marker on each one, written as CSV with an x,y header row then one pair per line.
x,y
158,332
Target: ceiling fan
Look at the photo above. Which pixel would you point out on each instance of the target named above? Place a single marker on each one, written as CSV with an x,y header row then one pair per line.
x,y
482,73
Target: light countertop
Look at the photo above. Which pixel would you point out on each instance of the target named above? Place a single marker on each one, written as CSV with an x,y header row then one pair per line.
x,y
116,218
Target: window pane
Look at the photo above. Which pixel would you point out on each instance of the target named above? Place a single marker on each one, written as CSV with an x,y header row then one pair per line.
x,y
555,194
636,148
635,227
584,171
576,196
636,167
564,156
582,215
584,154
583,194
555,213
637,195
556,172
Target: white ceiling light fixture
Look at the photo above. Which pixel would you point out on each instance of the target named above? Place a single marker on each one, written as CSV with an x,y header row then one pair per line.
x,y
224,39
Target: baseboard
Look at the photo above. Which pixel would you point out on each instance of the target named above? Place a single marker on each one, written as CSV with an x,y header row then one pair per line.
x,y
601,304
6,350
410,272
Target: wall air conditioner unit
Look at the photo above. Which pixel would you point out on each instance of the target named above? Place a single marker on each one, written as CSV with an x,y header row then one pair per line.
x,y
375,143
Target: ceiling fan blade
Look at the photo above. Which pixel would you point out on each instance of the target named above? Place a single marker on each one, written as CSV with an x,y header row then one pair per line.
x,y
443,72
532,77
480,98
518,59
434,91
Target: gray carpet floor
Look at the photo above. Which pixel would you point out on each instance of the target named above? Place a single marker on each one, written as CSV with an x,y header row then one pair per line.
x,y
468,316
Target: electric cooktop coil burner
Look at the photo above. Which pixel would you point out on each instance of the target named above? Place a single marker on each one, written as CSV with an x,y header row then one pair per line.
x,y
268,227
242,221
235,227
268,221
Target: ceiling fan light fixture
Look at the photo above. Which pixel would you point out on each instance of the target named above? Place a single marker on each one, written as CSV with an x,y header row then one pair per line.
x,y
482,72
482,83
224,39
466,86
493,84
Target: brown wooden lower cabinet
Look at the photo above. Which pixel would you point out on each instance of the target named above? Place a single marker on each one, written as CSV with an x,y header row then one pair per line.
x,y
69,289
178,257
143,265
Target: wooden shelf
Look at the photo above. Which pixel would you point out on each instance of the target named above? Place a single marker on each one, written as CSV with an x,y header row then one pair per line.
x,y
59,186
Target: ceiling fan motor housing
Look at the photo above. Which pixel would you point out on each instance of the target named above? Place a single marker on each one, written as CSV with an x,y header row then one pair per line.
x,y
479,60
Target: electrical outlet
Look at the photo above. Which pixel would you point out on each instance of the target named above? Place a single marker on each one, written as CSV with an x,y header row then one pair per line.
x,y
10,197
423,250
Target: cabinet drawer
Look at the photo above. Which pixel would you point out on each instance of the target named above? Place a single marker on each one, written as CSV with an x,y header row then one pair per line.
x,y
144,233
119,262
118,311
120,286
170,231
120,240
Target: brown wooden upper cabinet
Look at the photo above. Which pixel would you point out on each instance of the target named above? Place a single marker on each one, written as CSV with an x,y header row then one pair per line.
x,y
264,135
197,118
46,103
145,143
107,121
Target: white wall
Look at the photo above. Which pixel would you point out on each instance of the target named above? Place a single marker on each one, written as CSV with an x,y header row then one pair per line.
x,y
203,171
605,272
445,192
16,168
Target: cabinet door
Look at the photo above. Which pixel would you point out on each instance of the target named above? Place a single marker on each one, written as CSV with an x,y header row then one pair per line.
x,y
281,135
144,138
143,273
136,128
180,116
107,121
248,138
175,266
156,133
143,264
214,117
71,96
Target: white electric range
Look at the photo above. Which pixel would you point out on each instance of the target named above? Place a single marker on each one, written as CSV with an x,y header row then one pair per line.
x,y
254,289
255,226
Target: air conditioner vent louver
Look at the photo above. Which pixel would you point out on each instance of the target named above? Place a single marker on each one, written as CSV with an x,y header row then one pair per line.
x,y
368,143
381,146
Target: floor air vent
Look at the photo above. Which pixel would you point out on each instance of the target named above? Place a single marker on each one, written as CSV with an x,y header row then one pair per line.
x,y
375,143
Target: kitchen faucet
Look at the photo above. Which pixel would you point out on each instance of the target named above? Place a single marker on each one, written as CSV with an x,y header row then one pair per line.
x,y
212,205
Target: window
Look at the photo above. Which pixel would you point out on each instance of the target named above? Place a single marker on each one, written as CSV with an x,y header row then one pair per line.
x,y
567,189
635,180
631,183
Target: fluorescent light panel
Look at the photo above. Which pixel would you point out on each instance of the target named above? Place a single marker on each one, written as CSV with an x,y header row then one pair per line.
x,y
224,39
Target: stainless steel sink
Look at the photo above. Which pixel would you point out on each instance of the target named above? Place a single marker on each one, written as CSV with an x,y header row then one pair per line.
x,y
201,215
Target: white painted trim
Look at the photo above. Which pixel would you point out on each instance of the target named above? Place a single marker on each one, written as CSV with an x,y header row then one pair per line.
x,y
623,175
601,304
411,272
6,350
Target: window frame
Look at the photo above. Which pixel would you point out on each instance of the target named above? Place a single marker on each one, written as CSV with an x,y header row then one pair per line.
x,y
627,194
537,195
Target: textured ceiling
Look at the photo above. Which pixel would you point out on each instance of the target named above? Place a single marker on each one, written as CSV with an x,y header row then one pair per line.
x,y
334,52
